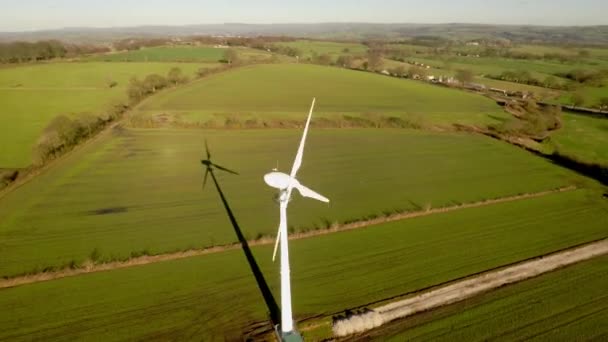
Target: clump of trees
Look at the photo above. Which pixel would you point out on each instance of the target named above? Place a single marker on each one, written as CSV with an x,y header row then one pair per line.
x,y
139,89
130,44
345,61
416,72
374,60
593,78
284,50
525,77
63,133
399,71
231,56
18,52
531,120
464,76
322,59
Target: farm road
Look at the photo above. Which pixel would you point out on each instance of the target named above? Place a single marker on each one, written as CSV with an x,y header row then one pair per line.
x,y
468,288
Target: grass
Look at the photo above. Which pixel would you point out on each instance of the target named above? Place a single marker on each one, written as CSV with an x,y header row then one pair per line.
x,y
584,137
569,304
32,95
141,189
189,298
284,89
310,47
177,54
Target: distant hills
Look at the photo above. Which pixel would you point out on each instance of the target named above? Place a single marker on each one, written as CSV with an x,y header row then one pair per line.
x,y
580,35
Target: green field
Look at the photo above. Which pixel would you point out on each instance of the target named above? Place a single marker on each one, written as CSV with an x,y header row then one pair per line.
x,y
154,179
270,91
178,54
584,137
310,47
191,298
566,305
591,96
32,95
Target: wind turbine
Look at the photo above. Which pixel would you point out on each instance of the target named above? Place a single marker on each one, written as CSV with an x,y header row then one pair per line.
x,y
286,183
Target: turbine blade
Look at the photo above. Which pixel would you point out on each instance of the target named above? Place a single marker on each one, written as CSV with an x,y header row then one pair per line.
x,y
306,192
298,161
205,179
207,150
225,169
276,245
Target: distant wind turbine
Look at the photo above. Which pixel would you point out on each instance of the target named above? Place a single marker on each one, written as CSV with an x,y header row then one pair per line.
x,y
286,183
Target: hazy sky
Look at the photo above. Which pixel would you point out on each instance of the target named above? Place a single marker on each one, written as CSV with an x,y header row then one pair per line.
x,y
22,15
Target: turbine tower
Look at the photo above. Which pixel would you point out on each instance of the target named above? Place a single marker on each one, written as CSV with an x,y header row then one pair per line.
x,y
286,183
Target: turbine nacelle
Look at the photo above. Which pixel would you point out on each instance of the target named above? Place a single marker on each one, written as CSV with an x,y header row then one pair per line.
x,y
281,181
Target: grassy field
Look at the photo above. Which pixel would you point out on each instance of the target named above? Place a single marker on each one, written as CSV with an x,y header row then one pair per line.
x,y
32,95
566,305
310,47
591,96
495,66
540,50
141,189
178,54
583,136
281,90
183,299
544,93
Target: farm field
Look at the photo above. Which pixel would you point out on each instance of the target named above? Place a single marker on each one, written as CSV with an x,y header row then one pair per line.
x,y
140,190
34,94
591,96
271,90
569,304
540,50
182,298
539,69
310,47
496,65
207,54
584,137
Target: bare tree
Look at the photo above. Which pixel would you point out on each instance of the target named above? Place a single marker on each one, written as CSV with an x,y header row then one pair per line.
x,y
577,99
175,76
231,56
374,60
416,72
464,76
345,61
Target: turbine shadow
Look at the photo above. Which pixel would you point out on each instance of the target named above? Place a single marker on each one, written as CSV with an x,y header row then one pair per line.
x,y
273,308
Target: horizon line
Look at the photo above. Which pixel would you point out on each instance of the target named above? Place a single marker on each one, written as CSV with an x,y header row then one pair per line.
x,y
67,28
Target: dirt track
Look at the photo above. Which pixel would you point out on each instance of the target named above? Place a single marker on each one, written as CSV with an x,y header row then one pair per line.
x,y
467,288
143,260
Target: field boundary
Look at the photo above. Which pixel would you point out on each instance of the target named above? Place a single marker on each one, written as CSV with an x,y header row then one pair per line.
x,y
91,267
466,288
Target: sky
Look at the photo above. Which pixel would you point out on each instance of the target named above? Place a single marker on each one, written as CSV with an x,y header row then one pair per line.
x,y
27,15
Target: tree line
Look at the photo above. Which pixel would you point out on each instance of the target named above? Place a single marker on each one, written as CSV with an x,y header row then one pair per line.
x,y
20,52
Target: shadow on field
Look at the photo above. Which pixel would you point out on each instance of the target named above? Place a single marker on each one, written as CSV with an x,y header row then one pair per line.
x,y
273,308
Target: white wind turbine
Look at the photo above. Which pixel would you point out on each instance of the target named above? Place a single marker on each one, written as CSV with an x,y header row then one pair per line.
x,y
286,183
